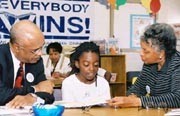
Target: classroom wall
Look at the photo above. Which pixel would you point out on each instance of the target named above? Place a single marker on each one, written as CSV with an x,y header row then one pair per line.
x,y
169,13
122,22
101,21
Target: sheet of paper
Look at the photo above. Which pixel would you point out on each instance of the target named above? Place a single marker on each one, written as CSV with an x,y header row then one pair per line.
x,y
173,112
14,112
67,104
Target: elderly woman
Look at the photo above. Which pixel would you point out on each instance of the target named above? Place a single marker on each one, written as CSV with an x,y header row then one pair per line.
x,y
158,83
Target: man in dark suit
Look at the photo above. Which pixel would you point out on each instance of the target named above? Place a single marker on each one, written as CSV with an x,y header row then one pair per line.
x,y
26,42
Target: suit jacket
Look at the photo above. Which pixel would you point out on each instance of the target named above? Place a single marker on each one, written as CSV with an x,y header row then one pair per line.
x,y
34,73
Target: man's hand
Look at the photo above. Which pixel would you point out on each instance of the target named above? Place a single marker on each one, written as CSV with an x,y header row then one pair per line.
x,y
125,102
20,101
45,86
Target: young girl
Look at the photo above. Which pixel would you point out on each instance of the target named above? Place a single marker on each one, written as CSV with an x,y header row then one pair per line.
x,y
84,85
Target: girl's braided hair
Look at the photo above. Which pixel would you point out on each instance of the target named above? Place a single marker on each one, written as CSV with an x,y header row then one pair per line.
x,y
79,50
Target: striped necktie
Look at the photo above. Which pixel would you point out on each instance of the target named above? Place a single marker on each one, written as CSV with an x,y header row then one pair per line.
x,y
19,76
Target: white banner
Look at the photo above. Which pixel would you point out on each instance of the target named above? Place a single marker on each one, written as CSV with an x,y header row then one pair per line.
x,y
65,21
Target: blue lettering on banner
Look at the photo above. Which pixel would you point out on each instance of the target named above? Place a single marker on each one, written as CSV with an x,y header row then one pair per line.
x,y
35,5
75,22
73,26
3,4
68,37
14,5
45,5
60,27
78,26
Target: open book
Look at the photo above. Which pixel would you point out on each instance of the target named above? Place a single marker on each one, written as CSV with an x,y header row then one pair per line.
x,y
96,102
173,112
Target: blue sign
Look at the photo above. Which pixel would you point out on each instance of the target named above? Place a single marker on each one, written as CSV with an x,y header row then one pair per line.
x,y
58,19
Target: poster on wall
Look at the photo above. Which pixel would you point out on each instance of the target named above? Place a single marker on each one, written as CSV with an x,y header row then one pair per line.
x,y
138,23
64,21
176,27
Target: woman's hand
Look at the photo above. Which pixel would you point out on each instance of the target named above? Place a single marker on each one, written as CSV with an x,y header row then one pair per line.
x,y
124,102
57,75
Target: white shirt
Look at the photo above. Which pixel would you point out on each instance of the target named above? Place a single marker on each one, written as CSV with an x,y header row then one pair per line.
x,y
16,63
62,65
74,90
101,72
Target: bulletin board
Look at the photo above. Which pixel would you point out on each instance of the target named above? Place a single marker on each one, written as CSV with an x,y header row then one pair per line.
x,y
138,23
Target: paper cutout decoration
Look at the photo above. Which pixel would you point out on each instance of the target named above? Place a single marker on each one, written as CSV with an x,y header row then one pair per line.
x,y
112,3
104,2
155,6
119,3
146,4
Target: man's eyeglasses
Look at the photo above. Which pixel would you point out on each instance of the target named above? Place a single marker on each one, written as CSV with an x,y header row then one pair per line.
x,y
34,51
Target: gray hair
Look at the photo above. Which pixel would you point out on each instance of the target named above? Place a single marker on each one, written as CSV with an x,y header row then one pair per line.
x,y
160,36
